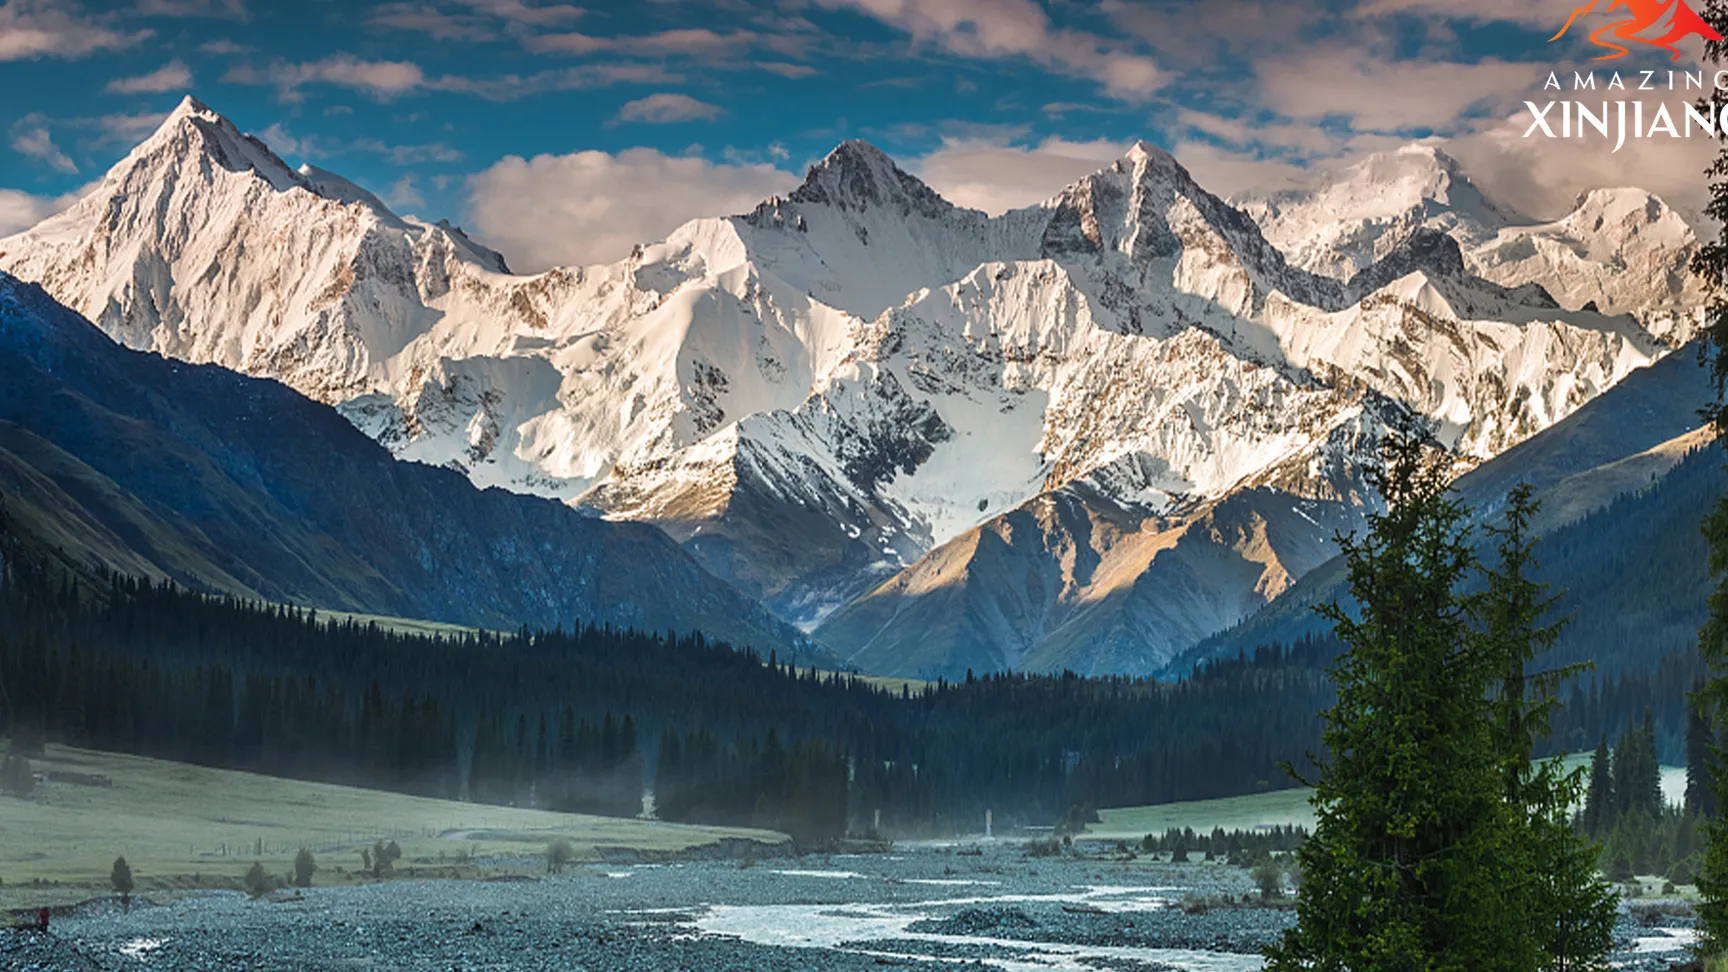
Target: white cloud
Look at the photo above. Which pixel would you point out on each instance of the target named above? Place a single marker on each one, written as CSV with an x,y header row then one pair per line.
x,y
592,207
590,75
664,108
121,128
55,28
1295,138
518,12
30,137
1531,13
280,140
223,46
1226,171
994,29
173,76
284,142
1542,177
21,210
1538,177
380,79
995,176
404,194
1380,95
786,70
405,154
384,80
225,9
681,42
436,24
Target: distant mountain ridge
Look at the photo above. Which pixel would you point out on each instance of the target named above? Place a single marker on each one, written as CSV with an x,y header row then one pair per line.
x,y
835,400
1621,250
146,465
1635,448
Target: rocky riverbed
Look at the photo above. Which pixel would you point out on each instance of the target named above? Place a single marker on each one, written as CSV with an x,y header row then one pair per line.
x,y
988,906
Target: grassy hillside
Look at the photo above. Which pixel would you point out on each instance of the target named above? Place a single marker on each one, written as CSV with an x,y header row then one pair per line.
x,y
181,825
1280,807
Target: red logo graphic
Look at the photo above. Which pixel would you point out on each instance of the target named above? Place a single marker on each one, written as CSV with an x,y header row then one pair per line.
x,y
1644,17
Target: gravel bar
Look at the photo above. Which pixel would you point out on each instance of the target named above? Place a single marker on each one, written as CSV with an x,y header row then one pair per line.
x,y
919,904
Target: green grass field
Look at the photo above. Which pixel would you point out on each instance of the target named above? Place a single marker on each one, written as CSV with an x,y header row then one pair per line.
x,y
1232,813
181,826
1279,807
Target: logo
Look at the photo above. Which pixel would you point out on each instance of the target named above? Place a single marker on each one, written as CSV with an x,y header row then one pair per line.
x,y
1658,23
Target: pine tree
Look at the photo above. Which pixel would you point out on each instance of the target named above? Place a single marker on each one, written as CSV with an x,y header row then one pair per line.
x,y
1637,773
1700,795
1599,803
1552,871
305,865
1405,867
121,876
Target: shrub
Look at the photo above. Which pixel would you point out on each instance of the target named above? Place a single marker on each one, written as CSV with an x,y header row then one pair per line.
x,y
121,876
1269,877
1620,865
304,867
383,857
559,854
1049,847
258,882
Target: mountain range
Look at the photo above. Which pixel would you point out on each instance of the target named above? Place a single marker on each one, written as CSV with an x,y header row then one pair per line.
x,y
1625,483
128,461
1087,434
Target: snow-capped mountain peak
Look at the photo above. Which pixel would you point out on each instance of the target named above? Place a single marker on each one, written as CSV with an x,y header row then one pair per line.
x,y
818,393
858,175
204,244
1618,251
194,131
1351,217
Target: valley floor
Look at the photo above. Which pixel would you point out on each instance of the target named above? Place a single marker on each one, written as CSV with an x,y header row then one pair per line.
x,y
985,903
182,826
190,832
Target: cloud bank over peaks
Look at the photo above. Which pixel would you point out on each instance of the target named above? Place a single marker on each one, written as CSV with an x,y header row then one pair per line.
x,y
592,207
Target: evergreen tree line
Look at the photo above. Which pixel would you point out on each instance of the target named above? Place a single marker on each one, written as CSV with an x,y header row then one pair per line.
x,y
591,719
1235,845
588,720
1625,810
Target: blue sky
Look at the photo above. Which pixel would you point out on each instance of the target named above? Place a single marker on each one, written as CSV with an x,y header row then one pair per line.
x,y
564,131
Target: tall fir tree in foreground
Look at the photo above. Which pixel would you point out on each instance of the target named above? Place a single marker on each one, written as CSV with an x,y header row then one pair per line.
x,y
1410,816
1437,845
1711,264
1570,910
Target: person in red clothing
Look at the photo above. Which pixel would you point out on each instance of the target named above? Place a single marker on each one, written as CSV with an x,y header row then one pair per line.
x,y
42,920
